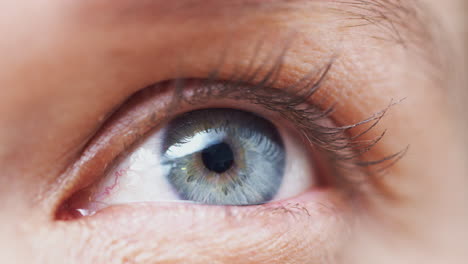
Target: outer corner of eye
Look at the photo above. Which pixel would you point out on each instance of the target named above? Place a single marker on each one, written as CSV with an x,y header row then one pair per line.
x,y
214,156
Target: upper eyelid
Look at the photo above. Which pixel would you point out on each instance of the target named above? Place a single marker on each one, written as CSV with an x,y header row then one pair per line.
x,y
299,93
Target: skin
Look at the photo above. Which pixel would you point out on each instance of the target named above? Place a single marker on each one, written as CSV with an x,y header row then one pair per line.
x,y
67,64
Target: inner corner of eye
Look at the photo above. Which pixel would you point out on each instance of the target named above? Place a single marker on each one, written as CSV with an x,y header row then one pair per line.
x,y
216,156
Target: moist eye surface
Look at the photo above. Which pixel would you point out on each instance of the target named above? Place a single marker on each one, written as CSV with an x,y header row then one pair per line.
x,y
223,157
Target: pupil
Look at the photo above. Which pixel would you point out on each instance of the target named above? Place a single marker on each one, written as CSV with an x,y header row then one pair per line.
x,y
218,157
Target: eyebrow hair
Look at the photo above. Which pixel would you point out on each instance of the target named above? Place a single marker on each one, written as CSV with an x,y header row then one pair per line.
x,y
398,20
407,23
401,21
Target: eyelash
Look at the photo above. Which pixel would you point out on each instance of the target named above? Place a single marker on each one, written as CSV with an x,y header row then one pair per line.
x,y
345,151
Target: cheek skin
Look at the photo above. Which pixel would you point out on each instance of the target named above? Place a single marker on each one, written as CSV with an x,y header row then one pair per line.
x,y
167,233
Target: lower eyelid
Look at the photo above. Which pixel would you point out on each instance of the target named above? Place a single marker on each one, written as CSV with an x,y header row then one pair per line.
x,y
145,227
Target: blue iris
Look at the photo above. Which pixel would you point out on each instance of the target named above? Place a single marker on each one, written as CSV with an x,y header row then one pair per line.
x,y
223,157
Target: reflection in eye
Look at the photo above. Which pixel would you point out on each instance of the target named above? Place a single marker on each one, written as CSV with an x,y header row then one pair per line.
x,y
224,156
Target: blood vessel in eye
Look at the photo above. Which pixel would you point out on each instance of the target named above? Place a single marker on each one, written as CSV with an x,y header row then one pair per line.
x,y
107,191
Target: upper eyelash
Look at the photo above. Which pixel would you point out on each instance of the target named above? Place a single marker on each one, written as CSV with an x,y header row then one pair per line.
x,y
344,150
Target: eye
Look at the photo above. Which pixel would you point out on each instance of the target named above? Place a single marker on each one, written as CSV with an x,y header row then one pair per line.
x,y
217,156
220,143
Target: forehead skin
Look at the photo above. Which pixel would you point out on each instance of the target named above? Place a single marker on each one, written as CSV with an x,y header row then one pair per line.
x,y
60,78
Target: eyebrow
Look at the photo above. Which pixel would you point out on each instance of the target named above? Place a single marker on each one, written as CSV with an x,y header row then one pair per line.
x,y
399,20
408,23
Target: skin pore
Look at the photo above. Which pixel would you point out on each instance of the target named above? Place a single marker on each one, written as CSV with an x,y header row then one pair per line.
x,y
69,67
